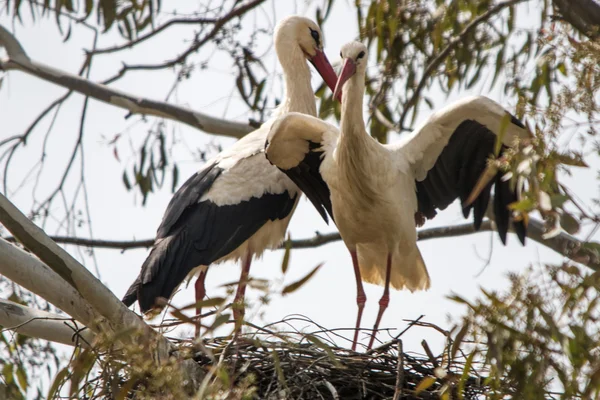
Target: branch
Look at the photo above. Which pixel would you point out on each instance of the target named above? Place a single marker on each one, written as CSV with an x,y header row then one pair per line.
x,y
18,60
564,244
43,325
583,15
26,270
439,59
143,38
236,12
85,284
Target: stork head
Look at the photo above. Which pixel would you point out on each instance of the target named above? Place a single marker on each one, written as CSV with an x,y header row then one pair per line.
x,y
296,34
354,56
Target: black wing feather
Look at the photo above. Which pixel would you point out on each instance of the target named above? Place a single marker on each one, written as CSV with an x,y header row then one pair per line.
x,y
307,177
457,171
197,233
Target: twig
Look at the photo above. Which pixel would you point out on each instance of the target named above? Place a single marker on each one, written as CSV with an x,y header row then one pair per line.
x,y
437,61
429,353
89,299
564,244
41,324
236,12
399,392
18,60
143,38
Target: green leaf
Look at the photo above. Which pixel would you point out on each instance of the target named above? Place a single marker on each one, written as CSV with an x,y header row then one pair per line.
x,y
286,256
219,320
424,384
292,287
500,137
175,178
459,338
499,65
125,389
278,370
108,10
57,383
465,374
22,377
7,373
126,181
89,7
214,302
569,223
319,343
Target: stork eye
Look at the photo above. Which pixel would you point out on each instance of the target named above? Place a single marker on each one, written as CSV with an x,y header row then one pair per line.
x,y
360,55
315,35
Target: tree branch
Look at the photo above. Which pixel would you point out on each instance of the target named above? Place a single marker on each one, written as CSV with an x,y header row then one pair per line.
x,y
564,244
235,12
43,325
143,38
437,61
583,15
18,60
25,270
102,300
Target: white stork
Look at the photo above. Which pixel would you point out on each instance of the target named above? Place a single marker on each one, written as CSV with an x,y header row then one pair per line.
x,y
238,204
374,192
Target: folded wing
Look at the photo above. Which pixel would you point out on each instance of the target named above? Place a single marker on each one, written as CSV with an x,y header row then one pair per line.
x,y
297,145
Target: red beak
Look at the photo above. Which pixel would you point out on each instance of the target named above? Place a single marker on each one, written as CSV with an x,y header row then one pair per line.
x,y
348,69
324,68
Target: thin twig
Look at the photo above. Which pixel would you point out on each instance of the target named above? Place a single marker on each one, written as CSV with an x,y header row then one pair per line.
x,y
236,12
143,38
564,244
399,392
439,59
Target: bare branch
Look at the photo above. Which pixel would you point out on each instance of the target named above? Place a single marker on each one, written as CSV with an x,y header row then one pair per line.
x,y
565,244
43,325
76,282
29,272
143,38
437,61
70,270
18,60
584,15
236,12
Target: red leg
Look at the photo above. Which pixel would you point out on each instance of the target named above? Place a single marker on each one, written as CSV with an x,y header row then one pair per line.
x,y
361,298
200,293
384,301
238,301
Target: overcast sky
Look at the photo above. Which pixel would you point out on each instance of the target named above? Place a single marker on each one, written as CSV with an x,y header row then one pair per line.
x,y
455,265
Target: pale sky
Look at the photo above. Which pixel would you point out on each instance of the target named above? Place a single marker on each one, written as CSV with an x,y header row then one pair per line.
x,y
455,264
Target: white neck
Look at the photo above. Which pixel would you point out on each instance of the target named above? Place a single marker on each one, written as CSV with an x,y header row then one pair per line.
x,y
352,124
299,95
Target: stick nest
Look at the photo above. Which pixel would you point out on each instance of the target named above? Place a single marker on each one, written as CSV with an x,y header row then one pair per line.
x,y
281,369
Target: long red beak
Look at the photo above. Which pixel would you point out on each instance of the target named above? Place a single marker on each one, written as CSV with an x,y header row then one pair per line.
x,y
324,68
348,69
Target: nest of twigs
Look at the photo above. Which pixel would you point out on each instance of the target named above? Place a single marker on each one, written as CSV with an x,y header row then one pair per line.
x,y
280,368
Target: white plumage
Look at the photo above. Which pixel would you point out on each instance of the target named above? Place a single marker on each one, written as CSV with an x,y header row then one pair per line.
x,y
375,191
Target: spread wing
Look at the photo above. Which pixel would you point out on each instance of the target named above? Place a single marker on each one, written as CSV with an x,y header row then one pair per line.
x,y
297,144
449,153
